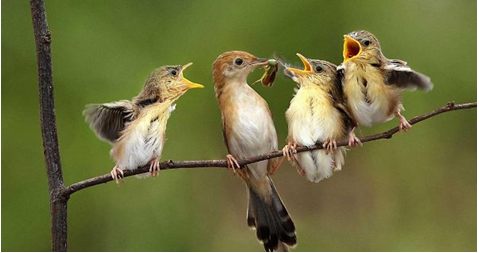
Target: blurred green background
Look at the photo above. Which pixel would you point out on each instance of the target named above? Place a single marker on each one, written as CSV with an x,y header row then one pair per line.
x,y
415,192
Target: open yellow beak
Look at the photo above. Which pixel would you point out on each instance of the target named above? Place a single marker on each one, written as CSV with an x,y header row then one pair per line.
x,y
307,66
352,48
189,84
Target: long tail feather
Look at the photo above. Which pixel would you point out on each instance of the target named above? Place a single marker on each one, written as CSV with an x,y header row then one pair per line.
x,y
274,227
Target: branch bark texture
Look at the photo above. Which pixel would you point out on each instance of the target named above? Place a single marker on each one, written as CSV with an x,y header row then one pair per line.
x,y
451,106
58,201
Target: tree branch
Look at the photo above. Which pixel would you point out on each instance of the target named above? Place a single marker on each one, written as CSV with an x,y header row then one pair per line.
x,y
58,201
222,163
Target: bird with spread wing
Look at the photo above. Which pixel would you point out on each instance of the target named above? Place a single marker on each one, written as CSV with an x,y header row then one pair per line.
x,y
136,129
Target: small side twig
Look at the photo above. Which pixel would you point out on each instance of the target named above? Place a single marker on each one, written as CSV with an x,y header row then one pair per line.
x,y
222,163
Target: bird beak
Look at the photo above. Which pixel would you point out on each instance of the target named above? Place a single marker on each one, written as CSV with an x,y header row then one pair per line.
x,y
189,83
259,62
352,48
307,66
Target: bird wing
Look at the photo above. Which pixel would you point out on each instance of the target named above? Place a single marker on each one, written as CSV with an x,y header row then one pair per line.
x,y
225,138
340,72
339,101
273,163
399,74
108,120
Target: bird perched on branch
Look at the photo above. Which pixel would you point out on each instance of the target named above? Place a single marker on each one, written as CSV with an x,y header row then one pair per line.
x,y
136,128
248,130
317,114
373,84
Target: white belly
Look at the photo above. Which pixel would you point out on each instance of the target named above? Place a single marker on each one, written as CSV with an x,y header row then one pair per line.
x,y
253,133
144,142
307,126
369,104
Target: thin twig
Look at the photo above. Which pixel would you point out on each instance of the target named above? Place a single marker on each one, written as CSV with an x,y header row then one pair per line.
x,y
58,204
222,163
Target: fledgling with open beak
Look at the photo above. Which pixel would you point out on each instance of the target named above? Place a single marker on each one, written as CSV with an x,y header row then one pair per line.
x,y
248,130
317,114
373,84
136,129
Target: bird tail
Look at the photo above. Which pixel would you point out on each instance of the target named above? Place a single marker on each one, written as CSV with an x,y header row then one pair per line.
x,y
318,165
274,227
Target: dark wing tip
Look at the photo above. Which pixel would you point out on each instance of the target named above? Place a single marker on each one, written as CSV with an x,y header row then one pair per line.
x,y
108,120
424,82
402,76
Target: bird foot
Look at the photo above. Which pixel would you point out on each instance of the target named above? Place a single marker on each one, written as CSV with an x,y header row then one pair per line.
x,y
289,150
275,166
117,174
403,123
334,165
300,169
155,167
354,140
330,145
234,165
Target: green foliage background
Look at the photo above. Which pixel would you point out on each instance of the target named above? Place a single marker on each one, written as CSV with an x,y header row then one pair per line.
x,y
415,192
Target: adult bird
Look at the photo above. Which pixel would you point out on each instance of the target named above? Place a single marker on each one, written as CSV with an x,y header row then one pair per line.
x,y
373,84
136,129
248,130
317,114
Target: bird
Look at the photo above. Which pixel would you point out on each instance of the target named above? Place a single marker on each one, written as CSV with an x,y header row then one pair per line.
x,y
248,130
317,114
373,84
136,129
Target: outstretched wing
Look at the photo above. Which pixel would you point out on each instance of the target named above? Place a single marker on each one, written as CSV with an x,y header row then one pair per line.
x,y
398,73
108,120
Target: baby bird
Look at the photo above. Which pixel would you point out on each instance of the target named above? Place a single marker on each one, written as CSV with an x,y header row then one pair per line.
x,y
317,114
373,84
248,130
136,129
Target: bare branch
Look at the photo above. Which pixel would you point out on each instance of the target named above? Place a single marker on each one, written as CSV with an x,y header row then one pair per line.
x,y
58,204
222,163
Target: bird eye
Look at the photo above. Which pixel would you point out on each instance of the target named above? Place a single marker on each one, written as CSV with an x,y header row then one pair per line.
x,y
238,61
319,69
366,42
173,72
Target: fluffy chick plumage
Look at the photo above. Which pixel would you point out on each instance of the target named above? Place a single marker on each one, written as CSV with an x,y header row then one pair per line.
x,y
373,84
136,129
317,114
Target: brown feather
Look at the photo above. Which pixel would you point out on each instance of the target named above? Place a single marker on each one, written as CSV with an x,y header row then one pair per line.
x,y
265,211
